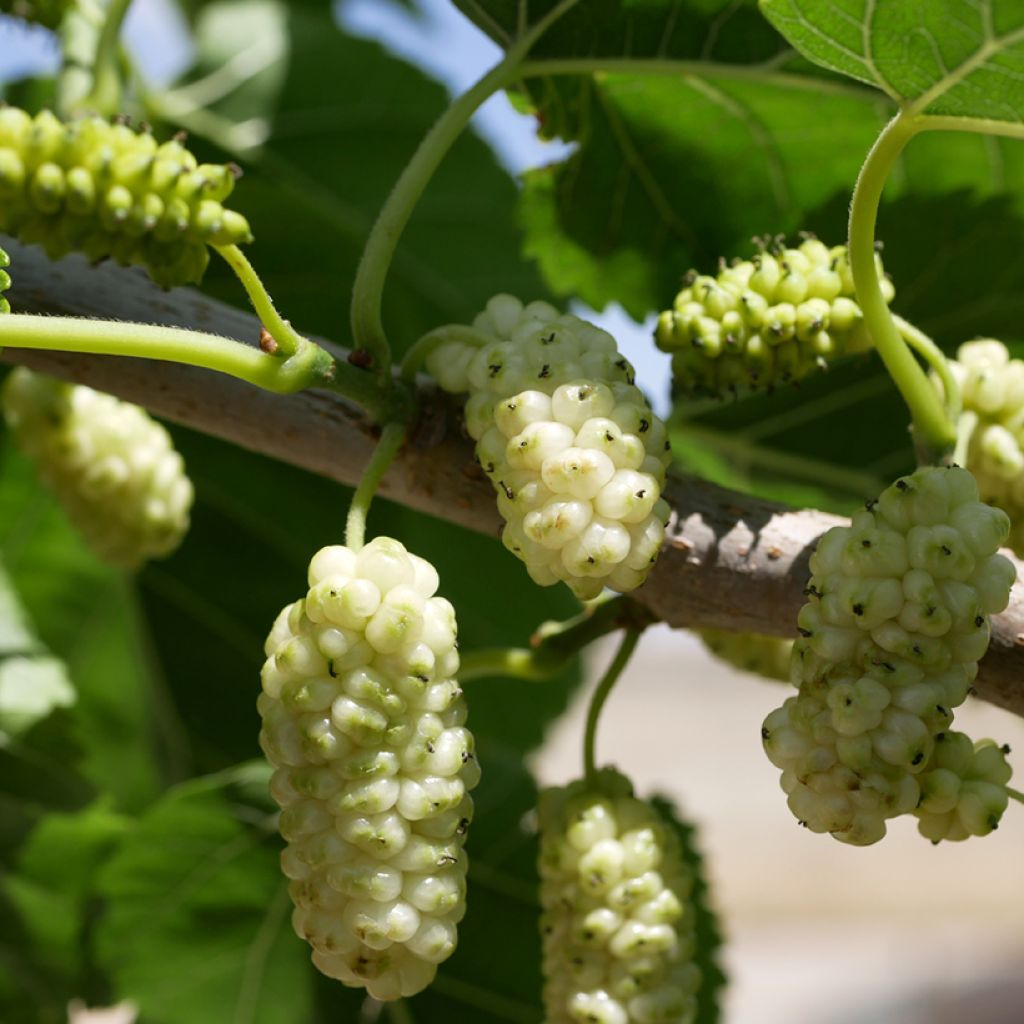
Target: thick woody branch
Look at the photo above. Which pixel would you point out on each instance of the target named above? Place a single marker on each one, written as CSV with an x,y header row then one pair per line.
x,y
730,560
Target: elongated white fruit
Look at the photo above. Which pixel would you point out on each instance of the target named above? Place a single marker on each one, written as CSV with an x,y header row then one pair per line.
x,y
897,620
364,722
576,456
766,656
112,468
617,915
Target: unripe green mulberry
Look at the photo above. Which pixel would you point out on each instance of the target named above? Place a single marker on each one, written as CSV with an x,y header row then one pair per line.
x,y
48,13
766,321
766,656
576,455
364,722
890,639
109,191
5,281
992,388
618,919
114,470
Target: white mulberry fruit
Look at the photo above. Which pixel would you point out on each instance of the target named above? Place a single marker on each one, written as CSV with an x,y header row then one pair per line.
x,y
897,620
992,388
576,455
766,321
766,656
618,918
364,722
113,469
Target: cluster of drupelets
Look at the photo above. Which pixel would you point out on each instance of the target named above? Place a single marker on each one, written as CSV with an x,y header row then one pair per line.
x,y
897,618
617,920
107,190
362,717
766,321
992,390
575,454
113,469
363,720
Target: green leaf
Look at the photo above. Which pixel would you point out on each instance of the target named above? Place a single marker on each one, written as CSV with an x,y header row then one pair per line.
x,y
335,147
52,882
676,172
957,58
197,922
638,29
709,936
85,613
250,35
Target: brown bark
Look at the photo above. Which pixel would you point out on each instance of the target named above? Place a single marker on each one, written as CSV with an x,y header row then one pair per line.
x,y
730,560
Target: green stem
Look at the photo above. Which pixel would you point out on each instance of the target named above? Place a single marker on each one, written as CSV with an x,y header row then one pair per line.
x,y
934,433
507,662
744,454
1015,794
420,351
555,644
966,425
399,1013
387,448
105,95
377,397
604,688
288,340
937,361
312,367
368,291
758,74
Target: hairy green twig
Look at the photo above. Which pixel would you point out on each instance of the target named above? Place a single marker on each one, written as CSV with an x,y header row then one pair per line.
x,y
934,433
311,367
601,694
555,644
368,333
390,441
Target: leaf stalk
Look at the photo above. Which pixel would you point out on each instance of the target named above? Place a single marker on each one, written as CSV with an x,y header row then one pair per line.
x,y
934,433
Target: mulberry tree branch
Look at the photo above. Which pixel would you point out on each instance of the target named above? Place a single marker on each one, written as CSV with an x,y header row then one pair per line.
x,y
730,560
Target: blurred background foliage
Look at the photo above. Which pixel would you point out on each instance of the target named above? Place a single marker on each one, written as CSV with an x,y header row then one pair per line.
x,y
138,849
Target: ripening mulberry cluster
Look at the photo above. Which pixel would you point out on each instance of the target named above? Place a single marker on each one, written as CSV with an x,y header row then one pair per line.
x,y
618,918
766,656
114,470
364,722
107,190
766,321
992,387
5,281
890,638
48,13
576,456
